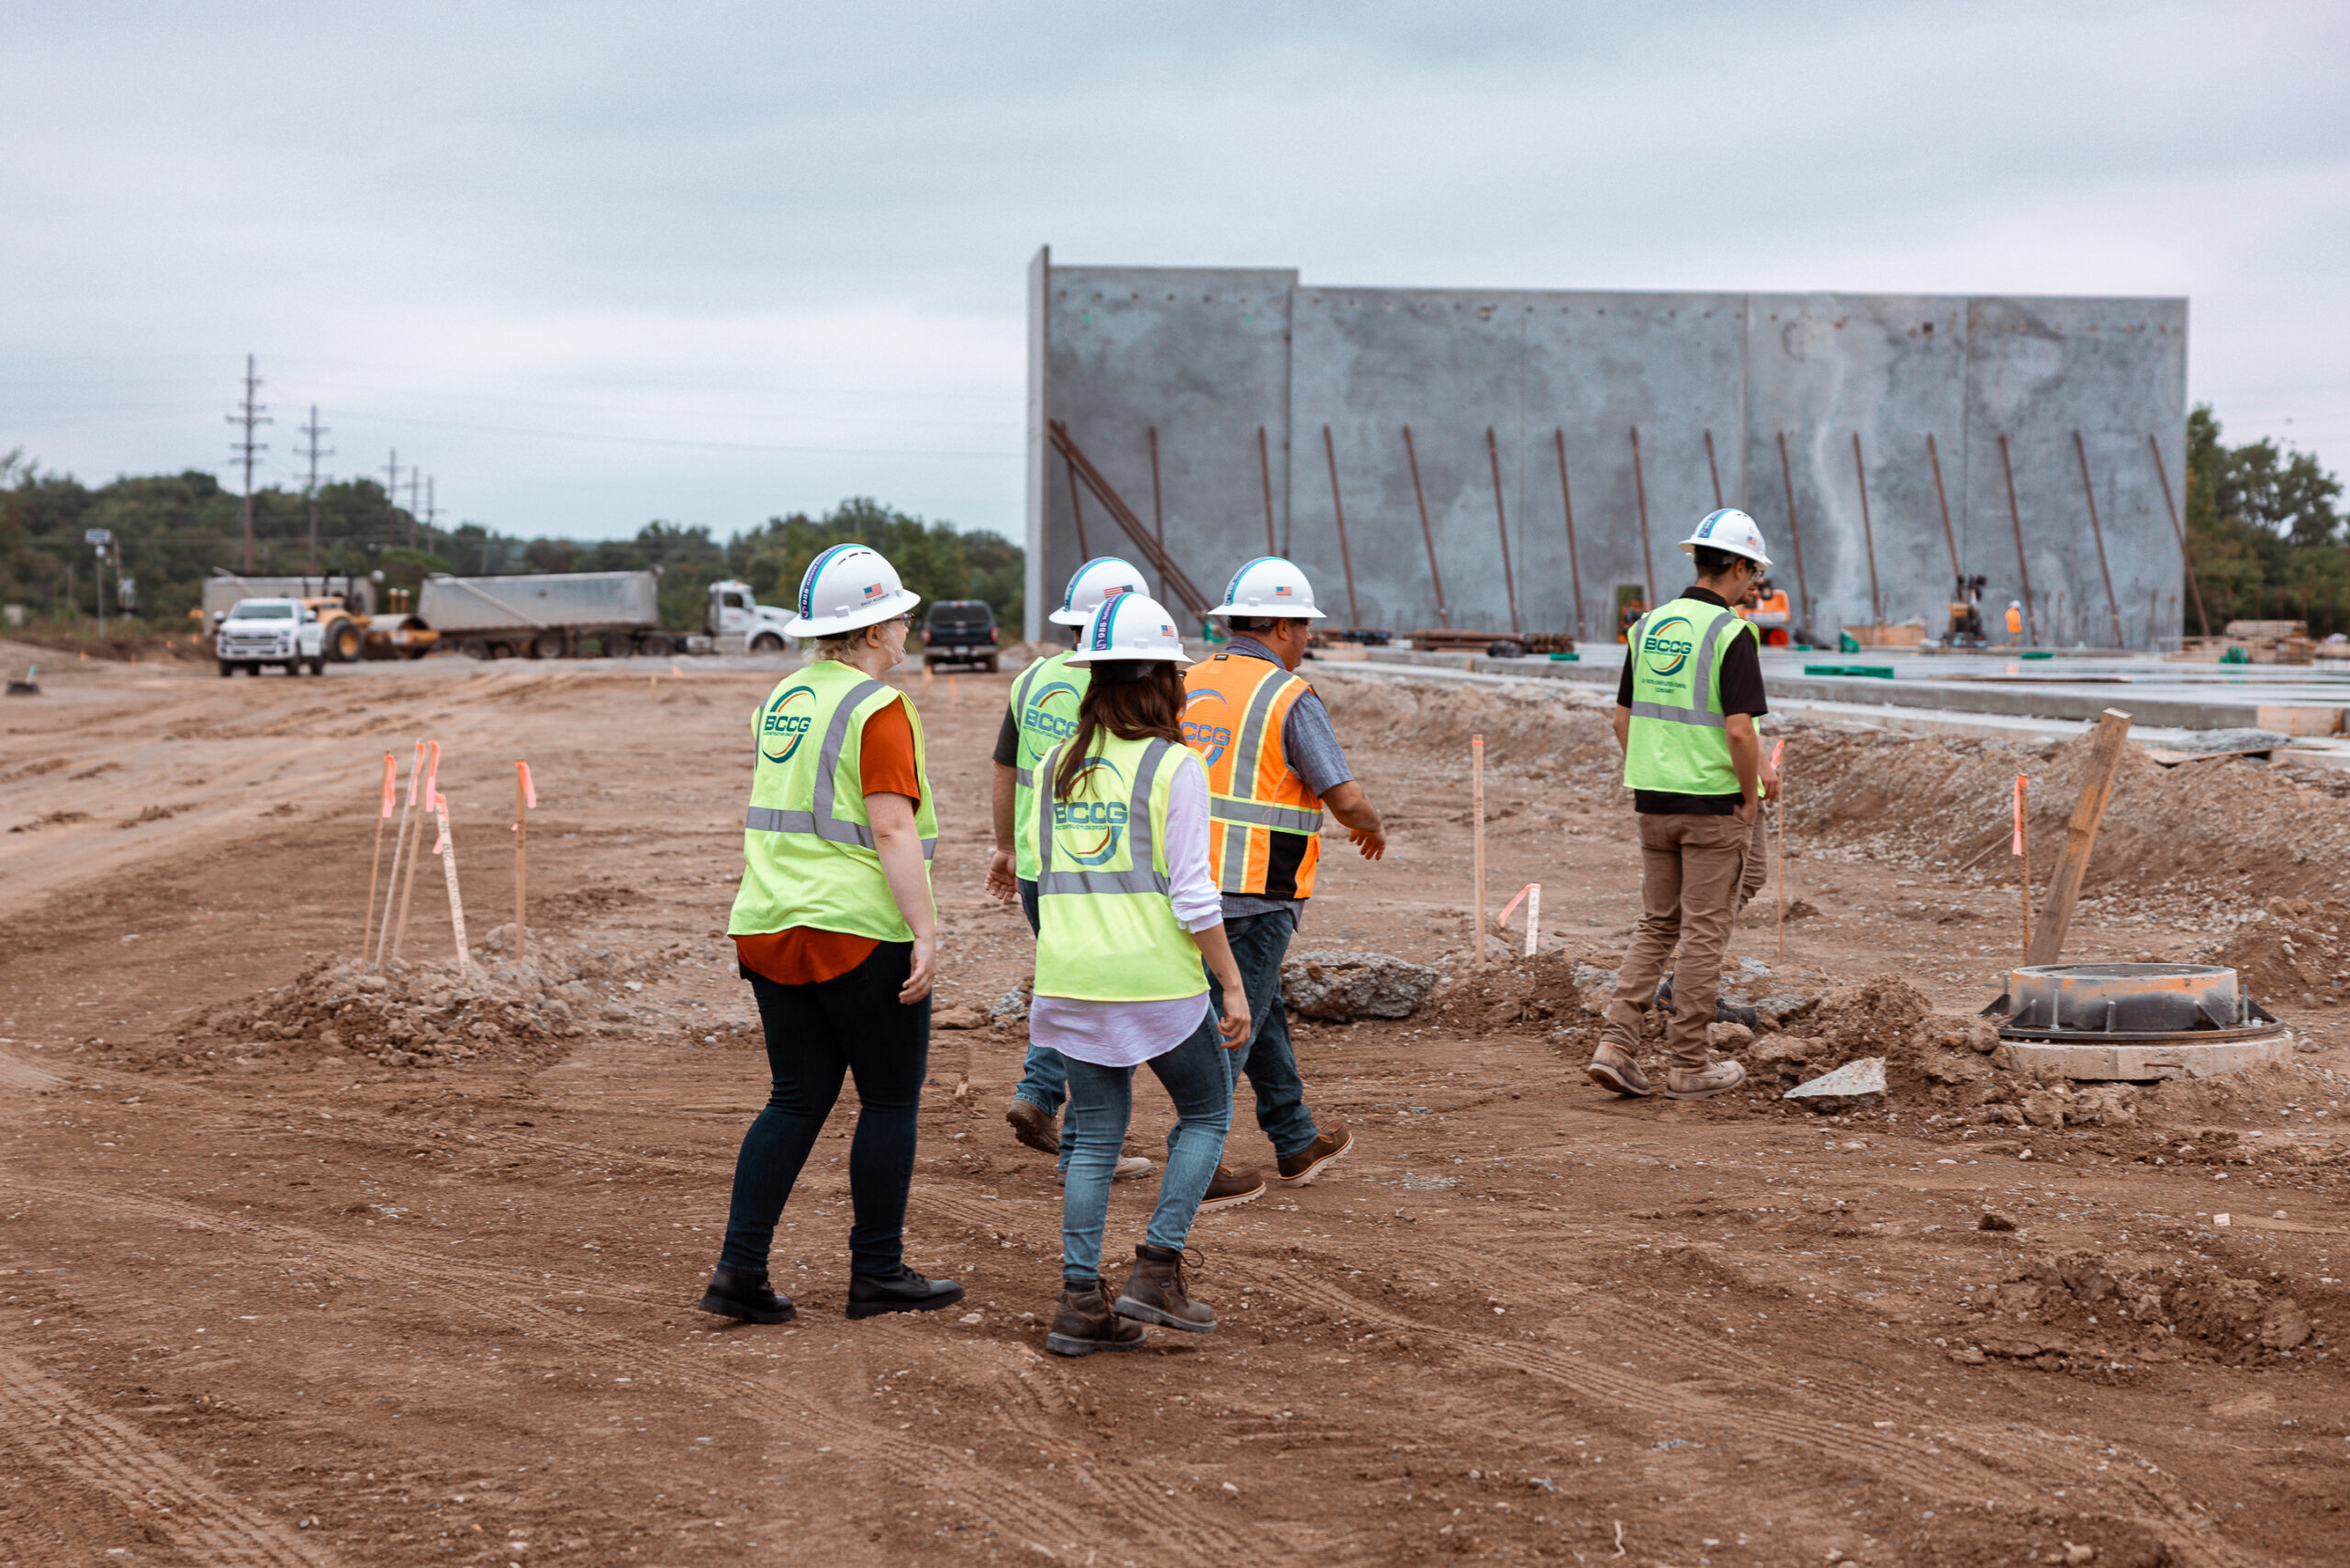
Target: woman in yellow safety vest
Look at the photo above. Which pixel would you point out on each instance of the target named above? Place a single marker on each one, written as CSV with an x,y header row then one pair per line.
x,y
1126,910
834,929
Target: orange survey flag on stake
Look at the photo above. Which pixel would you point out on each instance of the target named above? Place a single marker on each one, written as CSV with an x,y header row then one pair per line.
x,y
529,793
2017,847
391,785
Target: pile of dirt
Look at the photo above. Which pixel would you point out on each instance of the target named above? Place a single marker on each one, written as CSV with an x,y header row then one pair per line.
x,y
2087,1306
2293,951
420,1015
2202,835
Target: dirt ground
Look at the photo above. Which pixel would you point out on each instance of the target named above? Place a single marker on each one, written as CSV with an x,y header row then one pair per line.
x,y
296,1269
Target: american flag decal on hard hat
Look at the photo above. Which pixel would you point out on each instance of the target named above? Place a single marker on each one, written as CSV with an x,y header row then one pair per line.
x,y
1281,590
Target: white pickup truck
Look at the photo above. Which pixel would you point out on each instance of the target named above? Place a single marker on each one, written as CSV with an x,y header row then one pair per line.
x,y
260,632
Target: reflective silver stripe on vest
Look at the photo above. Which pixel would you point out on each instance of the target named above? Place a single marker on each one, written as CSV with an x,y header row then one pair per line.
x,y
821,821
1701,687
1138,878
1027,780
1255,813
1659,711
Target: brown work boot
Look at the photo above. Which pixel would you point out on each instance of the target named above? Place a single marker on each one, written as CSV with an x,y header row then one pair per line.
x,y
1034,1126
1231,1188
1301,1168
1612,1068
1702,1084
1083,1322
1154,1294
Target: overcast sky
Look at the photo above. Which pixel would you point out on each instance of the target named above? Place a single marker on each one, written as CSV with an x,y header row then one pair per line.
x,y
592,265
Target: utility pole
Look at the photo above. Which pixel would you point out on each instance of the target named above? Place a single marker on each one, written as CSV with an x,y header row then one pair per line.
x,y
313,451
392,484
432,509
414,507
249,414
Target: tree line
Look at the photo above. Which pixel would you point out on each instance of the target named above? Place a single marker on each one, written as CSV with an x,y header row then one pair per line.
x,y
2263,532
172,531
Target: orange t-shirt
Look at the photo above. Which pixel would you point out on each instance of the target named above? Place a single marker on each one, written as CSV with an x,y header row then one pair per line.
x,y
803,954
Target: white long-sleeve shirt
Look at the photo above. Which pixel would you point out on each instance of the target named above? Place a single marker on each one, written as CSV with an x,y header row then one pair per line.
x,y
1123,1033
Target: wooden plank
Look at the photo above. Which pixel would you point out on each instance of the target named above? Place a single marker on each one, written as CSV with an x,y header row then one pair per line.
x,y
2080,836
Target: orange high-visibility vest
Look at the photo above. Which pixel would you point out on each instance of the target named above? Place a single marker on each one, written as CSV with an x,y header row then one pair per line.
x,y
1264,824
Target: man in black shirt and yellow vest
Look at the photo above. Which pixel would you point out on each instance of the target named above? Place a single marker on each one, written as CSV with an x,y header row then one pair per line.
x,y
1685,715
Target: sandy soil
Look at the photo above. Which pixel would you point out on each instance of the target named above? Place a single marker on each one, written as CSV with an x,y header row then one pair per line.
x,y
264,1299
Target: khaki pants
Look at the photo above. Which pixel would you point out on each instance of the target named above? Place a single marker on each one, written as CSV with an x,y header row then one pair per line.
x,y
1696,872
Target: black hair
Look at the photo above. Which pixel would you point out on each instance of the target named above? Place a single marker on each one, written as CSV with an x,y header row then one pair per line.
x,y
1254,622
1713,562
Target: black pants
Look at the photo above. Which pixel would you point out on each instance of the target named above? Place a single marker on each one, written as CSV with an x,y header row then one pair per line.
x,y
815,1033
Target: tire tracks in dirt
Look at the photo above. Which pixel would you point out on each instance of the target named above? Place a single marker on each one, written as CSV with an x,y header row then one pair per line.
x,y
1018,1510
1992,1470
41,1418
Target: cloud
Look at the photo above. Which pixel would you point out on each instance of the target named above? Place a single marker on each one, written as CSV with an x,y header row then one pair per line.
x,y
721,261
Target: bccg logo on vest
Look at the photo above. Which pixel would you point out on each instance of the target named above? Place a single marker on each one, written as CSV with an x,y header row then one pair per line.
x,y
1050,715
786,723
1095,827
1210,732
1666,645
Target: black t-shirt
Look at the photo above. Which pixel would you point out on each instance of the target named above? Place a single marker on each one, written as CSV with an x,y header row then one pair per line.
x,y
1007,742
1741,692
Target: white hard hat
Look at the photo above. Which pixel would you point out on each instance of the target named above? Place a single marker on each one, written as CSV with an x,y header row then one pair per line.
x,y
1090,583
847,587
1269,586
1729,529
1129,626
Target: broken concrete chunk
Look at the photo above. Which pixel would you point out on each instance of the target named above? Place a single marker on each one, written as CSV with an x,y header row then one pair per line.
x,y
1729,1036
962,1016
1850,1081
1339,987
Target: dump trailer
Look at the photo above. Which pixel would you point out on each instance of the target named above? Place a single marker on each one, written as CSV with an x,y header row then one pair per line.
x,y
547,615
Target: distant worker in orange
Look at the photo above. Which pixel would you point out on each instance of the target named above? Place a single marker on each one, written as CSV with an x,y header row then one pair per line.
x,y
2015,623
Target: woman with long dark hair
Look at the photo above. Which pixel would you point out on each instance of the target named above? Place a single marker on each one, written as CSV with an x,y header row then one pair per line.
x,y
1127,911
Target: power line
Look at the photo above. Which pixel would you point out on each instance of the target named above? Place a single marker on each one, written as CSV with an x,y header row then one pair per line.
x,y
249,414
313,451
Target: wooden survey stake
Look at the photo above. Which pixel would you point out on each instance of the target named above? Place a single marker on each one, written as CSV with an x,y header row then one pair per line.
x,y
1477,817
376,865
2106,750
2021,850
447,849
1779,878
416,849
400,847
526,799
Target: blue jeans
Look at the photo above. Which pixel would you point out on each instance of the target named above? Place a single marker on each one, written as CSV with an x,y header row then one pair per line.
x,y
1044,1077
1197,1076
1260,942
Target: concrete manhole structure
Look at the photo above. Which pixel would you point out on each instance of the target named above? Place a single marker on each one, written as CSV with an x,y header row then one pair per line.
x,y
2135,1021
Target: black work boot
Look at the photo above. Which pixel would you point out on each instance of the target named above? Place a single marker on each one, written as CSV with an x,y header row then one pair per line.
x,y
1154,1294
741,1294
869,1296
1083,1322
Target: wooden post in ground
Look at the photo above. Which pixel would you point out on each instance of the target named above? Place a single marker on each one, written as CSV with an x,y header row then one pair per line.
x,y
525,797
1533,919
2024,864
1779,811
400,847
416,849
2080,836
376,865
1477,819
447,849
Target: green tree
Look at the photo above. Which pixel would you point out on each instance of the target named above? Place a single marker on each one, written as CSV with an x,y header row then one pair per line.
x,y
2263,531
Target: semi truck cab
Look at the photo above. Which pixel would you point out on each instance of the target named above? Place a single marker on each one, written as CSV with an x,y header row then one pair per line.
x,y
735,612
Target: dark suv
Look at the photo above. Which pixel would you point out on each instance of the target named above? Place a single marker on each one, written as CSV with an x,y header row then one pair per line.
x,y
959,631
